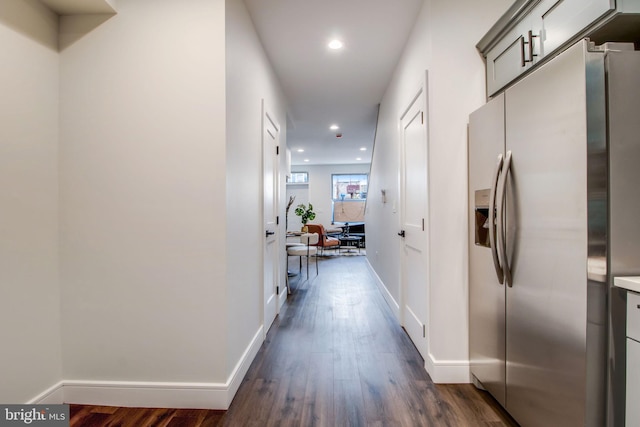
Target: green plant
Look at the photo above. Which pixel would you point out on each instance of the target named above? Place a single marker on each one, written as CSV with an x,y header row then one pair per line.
x,y
305,213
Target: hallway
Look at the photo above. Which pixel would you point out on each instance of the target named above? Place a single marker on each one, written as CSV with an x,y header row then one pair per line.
x,y
336,356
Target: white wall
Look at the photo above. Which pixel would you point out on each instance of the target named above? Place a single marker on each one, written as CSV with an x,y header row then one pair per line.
x,y
443,42
319,190
129,209
250,79
30,360
143,185
301,194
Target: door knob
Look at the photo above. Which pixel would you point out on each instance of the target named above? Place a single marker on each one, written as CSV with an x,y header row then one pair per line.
x,y
401,233
269,233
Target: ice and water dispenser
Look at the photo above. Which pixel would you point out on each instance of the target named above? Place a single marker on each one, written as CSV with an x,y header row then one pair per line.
x,y
482,218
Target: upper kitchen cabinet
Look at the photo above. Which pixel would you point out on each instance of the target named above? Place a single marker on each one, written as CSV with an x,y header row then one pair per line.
x,y
532,30
556,22
79,7
511,56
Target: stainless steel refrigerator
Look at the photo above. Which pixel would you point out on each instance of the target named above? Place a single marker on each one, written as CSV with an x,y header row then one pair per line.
x,y
544,158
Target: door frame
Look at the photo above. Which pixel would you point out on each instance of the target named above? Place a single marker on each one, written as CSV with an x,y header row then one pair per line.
x,y
420,96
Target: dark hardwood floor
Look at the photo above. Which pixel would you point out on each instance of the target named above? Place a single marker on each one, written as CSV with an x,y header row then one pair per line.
x,y
334,357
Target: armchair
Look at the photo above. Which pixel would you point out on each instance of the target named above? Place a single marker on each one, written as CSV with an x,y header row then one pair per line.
x,y
324,242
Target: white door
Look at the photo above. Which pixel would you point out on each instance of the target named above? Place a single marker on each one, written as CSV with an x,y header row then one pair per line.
x,y
270,151
414,305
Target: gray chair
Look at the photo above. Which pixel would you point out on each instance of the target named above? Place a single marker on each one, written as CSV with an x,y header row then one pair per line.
x,y
307,249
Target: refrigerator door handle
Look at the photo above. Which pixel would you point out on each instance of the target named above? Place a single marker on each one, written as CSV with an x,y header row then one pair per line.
x,y
492,220
502,241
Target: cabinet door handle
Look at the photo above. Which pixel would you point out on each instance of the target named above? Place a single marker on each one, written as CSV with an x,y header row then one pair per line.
x,y
531,54
529,42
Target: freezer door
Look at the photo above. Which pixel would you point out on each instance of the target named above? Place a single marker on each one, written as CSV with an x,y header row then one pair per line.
x,y
546,132
486,294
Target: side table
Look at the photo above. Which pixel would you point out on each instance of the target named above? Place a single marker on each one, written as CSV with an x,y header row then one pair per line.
x,y
350,241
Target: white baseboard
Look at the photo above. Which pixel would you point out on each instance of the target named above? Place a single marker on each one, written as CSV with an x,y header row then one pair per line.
x,y
448,371
393,304
282,298
441,371
54,395
241,368
154,394
147,394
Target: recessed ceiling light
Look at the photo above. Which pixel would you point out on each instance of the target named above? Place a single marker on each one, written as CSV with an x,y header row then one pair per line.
x,y
336,44
334,127
363,149
300,150
358,158
306,160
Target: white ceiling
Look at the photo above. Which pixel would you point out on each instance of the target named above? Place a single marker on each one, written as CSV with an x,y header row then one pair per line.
x,y
324,87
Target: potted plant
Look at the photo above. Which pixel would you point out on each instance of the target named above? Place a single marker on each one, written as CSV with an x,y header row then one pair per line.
x,y
305,213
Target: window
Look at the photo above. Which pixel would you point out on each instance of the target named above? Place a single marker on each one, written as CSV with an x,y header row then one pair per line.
x,y
349,194
349,187
299,178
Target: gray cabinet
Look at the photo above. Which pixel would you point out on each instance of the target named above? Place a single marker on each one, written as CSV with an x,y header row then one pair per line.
x,y
559,21
633,360
532,30
633,383
510,57
633,316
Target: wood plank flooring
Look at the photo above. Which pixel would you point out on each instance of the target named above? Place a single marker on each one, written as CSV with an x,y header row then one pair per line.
x,y
99,416
334,357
